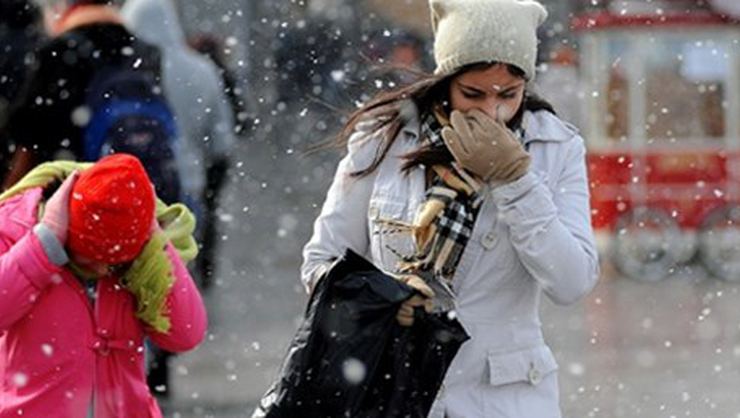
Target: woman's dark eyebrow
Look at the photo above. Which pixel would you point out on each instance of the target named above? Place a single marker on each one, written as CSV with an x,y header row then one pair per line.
x,y
510,89
477,90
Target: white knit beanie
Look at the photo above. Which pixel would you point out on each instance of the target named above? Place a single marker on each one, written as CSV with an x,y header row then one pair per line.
x,y
473,31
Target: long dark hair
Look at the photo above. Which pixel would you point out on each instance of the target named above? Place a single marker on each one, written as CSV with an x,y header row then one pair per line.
x,y
386,113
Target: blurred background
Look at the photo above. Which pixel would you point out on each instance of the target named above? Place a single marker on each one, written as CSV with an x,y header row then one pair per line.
x,y
653,86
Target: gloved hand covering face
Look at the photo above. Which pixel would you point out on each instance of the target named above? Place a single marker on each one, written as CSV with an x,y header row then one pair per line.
x,y
485,147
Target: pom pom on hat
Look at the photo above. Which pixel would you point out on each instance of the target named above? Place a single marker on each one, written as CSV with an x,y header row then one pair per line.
x,y
111,210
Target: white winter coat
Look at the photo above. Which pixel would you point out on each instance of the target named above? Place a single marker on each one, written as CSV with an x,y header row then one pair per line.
x,y
531,235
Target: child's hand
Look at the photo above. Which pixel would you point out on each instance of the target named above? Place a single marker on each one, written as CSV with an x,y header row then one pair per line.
x,y
56,211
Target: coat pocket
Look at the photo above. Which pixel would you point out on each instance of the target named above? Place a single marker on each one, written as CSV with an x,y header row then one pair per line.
x,y
529,365
389,240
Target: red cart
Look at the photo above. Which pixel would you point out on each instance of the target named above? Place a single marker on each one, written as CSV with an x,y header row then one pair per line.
x,y
662,124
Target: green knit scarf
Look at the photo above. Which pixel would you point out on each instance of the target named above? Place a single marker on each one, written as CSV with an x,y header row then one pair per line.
x,y
149,278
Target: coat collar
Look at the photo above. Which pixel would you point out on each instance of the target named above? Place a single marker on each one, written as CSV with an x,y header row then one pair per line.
x,y
543,126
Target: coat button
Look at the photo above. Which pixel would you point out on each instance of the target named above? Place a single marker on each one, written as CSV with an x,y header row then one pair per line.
x,y
534,375
488,240
101,347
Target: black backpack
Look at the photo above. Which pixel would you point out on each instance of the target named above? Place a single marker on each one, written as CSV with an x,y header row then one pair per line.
x,y
129,114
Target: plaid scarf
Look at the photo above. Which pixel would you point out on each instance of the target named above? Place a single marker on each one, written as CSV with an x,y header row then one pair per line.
x,y
460,194
454,224
445,221
444,224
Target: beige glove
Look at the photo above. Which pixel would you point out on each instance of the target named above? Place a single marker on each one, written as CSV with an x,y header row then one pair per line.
x,y
485,147
405,315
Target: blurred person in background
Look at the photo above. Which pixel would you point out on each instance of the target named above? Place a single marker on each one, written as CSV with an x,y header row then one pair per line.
x,y
390,58
196,92
205,121
467,182
310,60
53,117
210,46
406,52
21,32
396,56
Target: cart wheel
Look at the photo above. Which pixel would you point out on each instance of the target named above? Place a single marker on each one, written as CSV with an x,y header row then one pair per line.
x,y
646,244
719,243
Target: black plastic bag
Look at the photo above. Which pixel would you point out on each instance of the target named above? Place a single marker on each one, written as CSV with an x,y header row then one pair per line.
x,y
350,358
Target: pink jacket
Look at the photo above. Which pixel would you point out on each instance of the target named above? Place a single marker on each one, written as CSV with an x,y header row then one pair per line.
x,y
56,351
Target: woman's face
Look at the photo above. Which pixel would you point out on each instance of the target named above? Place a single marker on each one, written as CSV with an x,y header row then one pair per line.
x,y
491,90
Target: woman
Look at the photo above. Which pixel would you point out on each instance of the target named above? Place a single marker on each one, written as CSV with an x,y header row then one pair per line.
x,y
85,275
468,179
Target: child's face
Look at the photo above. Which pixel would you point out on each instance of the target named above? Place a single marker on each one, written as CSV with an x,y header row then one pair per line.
x,y
493,90
90,269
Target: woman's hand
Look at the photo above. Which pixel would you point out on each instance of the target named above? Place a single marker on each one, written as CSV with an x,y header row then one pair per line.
x,y
485,147
405,315
56,211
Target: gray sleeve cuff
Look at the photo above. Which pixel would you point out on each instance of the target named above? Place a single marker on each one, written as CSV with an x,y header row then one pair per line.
x,y
53,248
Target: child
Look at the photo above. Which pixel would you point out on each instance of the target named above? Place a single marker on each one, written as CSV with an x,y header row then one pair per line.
x,y
85,276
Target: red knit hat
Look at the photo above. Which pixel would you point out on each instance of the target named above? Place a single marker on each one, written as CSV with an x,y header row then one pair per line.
x,y
111,210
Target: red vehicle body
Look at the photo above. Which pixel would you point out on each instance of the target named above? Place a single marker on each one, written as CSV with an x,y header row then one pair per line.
x,y
662,123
